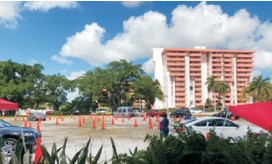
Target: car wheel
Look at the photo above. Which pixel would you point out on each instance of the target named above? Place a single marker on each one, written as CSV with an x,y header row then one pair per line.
x,y
10,145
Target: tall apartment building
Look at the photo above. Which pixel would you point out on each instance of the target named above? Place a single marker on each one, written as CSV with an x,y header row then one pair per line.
x,y
183,73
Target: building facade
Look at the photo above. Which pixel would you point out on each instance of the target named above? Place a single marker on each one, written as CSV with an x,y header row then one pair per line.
x,y
183,73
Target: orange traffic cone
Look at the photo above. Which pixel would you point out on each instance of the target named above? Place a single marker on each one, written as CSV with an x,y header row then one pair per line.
x,y
38,127
79,123
94,124
149,120
123,120
159,124
116,117
135,122
23,118
150,125
15,117
144,118
207,136
57,121
38,153
103,125
128,117
98,119
112,121
49,117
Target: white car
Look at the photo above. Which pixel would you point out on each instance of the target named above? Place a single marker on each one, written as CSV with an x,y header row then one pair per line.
x,y
196,111
223,127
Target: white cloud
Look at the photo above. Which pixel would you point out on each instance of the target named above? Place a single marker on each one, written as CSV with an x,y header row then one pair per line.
x,y
148,66
131,4
75,75
61,60
48,5
72,95
203,24
256,73
9,13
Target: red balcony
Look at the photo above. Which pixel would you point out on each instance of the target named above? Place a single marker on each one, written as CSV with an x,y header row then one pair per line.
x,y
176,74
175,64
175,54
169,60
195,55
179,84
195,64
177,69
195,59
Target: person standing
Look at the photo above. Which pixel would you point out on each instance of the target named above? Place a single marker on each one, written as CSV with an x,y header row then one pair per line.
x,y
164,131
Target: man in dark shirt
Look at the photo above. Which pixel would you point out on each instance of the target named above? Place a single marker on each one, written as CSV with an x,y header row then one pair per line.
x,y
164,126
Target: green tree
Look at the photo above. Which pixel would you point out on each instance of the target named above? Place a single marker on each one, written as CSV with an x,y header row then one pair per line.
x,y
22,83
219,87
57,87
222,88
259,89
147,89
210,83
123,76
120,83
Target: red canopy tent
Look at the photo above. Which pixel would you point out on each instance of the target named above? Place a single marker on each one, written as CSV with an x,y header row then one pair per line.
x,y
259,114
7,105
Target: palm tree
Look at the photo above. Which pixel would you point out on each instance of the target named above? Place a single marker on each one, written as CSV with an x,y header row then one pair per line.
x,y
259,89
211,85
210,82
221,88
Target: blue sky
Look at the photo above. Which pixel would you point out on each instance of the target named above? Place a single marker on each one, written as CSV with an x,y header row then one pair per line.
x,y
71,38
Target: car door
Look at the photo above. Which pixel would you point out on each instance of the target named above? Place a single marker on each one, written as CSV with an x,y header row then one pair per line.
x,y
224,128
201,126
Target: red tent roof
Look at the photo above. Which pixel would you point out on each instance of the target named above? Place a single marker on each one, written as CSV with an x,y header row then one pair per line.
x,y
7,105
259,114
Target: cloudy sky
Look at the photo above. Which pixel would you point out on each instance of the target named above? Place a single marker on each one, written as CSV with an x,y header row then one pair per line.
x,y
71,38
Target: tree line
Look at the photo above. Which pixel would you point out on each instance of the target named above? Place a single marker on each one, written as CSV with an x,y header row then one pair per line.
x,y
119,83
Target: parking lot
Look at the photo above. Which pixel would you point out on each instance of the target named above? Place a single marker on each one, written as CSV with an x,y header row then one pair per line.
x,y
124,133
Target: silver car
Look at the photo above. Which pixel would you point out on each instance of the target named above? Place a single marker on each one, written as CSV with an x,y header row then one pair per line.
x,y
223,127
34,116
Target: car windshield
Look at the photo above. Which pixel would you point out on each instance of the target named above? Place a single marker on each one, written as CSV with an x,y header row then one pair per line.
x,y
191,120
4,124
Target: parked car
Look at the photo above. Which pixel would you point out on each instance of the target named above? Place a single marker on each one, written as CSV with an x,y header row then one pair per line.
x,y
224,113
124,111
181,113
222,127
103,111
34,116
196,111
155,112
12,134
138,112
